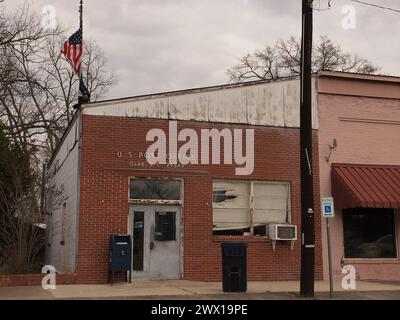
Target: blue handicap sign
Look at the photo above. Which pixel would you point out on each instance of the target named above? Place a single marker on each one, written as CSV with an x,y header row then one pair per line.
x,y
327,207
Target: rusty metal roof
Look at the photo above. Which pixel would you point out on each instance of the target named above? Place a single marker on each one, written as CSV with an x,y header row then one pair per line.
x,y
368,186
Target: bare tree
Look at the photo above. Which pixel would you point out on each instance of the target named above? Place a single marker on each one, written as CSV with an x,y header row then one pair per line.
x,y
21,26
63,84
21,234
21,238
37,92
37,86
283,59
21,39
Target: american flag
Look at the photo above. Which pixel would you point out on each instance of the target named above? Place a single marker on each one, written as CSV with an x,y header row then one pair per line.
x,y
73,50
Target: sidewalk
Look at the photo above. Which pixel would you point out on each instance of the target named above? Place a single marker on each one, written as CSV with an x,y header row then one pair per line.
x,y
182,289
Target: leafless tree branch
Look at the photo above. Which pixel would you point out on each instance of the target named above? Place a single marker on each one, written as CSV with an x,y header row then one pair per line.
x,y
37,86
283,59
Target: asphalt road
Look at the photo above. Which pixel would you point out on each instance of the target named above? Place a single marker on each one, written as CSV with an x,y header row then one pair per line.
x,y
370,295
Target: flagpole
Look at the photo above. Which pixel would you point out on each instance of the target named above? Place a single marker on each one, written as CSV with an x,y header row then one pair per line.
x,y
81,15
81,27
85,95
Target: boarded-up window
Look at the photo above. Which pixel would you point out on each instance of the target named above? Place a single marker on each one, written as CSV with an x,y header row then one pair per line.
x,y
247,206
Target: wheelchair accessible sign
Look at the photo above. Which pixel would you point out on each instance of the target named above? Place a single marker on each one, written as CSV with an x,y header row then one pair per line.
x,y
327,208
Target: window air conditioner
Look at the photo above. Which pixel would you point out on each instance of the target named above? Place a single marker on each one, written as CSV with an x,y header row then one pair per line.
x,y
284,232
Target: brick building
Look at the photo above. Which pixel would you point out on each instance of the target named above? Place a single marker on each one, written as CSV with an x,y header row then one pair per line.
x,y
104,179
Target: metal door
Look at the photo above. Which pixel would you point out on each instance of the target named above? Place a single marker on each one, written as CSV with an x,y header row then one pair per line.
x,y
156,234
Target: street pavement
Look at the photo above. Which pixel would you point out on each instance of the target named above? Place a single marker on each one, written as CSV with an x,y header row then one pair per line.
x,y
190,290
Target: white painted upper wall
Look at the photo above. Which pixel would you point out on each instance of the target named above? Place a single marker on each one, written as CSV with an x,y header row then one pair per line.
x,y
273,103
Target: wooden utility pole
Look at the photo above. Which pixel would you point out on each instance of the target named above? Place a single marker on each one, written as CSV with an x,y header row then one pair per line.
x,y
307,195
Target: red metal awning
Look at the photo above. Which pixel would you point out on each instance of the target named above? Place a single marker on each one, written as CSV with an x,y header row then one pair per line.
x,y
368,186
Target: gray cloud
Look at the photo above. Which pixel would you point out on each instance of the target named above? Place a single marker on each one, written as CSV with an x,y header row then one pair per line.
x,y
159,45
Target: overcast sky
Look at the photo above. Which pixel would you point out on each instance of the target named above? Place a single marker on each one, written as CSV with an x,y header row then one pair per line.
x,y
163,45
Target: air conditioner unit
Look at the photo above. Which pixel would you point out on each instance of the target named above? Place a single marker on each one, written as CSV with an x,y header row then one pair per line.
x,y
283,232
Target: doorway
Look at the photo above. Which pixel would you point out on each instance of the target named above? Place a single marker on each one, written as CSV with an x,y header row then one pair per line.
x,y
156,236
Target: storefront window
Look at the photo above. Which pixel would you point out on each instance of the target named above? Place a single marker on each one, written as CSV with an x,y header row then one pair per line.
x,y
369,233
154,189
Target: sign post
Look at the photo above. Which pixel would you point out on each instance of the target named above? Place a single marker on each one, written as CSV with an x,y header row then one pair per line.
x,y
328,211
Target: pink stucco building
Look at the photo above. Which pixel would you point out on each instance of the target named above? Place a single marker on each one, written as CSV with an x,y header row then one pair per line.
x,y
362,113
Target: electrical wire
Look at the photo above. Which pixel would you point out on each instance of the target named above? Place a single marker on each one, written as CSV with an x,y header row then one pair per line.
x,y
376,5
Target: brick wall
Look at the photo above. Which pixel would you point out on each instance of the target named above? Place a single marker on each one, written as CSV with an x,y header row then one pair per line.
x,y
104,197
34,279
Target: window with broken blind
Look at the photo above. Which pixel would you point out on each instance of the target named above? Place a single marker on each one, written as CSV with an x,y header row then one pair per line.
x,y
247,207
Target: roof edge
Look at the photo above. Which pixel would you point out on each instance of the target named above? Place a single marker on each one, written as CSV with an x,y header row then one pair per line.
x,y
359,76
365,165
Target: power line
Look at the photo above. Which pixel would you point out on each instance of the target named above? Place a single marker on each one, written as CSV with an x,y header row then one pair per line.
x,y
376,5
